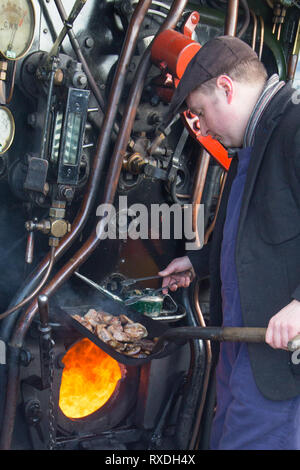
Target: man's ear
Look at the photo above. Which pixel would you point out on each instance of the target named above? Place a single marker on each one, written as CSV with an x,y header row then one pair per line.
x,y
225,83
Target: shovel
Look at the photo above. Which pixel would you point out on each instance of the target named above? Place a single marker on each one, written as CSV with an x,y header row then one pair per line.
x,y
168,340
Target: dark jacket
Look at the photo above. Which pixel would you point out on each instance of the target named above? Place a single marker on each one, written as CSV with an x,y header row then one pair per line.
x,y
268,241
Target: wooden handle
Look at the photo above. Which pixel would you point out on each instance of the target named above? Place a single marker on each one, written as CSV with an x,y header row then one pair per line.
x,y
256,335
244,334
228,333
211,333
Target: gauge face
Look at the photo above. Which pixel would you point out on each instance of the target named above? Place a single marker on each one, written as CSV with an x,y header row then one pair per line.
x,y
7,129
17,22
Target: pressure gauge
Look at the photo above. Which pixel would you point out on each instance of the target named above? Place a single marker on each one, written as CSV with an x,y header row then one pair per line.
x,y
17,23
7,129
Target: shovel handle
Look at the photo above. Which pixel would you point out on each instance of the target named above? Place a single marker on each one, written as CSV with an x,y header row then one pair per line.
x,y
214,333
228,333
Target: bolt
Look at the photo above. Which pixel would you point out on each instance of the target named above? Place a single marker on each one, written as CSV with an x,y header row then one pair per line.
x,y
89,42
82,80
79,80
154,100
40,199
32,119
68,193
154,118
30,68
33,412
25,357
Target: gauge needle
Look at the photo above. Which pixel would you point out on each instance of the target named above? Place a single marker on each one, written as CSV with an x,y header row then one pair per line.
x,y
10,45
13,34
22,19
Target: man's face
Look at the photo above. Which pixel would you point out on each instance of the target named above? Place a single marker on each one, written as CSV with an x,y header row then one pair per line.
x,y
216,115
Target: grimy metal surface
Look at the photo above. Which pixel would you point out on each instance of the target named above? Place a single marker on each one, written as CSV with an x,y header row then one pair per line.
x,y
89,246
225,21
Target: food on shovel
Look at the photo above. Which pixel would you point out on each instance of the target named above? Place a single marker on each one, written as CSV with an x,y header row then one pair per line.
x,y
119,332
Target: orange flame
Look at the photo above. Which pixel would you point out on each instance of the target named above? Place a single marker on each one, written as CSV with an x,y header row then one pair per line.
x,y
89,379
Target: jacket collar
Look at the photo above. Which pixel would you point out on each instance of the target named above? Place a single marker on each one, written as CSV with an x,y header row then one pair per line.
x,y
271,88
265,128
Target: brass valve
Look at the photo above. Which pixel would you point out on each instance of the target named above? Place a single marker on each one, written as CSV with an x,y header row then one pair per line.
x,y
134,163
56,226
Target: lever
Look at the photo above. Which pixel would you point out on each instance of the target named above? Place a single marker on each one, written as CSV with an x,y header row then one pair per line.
x,y
29,248
45,341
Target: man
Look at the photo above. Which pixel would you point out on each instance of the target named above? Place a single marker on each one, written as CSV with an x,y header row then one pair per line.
x,y
253,258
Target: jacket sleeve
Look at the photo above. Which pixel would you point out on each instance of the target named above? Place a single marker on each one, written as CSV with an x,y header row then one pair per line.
x,y
294,176
296,293
200,260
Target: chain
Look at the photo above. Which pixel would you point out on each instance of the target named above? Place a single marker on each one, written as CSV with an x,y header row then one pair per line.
x,y
52,434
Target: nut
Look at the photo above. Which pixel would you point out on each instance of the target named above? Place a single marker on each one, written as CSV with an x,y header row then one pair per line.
x,y
59,228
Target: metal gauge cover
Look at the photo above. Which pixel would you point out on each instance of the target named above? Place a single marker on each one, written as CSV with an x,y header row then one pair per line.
x,y
17,24
7,129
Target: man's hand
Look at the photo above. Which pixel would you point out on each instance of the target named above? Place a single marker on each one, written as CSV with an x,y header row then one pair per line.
x,y
184,267
284,326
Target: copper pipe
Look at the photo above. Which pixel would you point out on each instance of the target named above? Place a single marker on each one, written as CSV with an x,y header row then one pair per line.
x,y
36,290
103,140
254,29
193,444
199,183
292,66
2,92
293,58
231,17
90,245
262,35
12,82
212,225
279,31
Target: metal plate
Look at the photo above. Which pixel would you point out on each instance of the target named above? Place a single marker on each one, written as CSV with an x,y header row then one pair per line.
x,y
155,329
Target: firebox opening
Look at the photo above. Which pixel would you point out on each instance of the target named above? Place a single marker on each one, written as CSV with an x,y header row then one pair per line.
x,y
90,378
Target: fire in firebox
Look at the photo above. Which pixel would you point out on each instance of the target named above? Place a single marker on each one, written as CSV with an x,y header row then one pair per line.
x,y
89,379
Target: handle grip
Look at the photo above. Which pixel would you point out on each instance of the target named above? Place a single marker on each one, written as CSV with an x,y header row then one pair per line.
x,y
239,334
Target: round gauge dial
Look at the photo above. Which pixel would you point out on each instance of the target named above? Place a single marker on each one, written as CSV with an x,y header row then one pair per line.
x,y
17,23
7,129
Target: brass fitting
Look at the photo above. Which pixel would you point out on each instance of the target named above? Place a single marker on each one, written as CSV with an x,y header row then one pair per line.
x,y
3,70
56,226
134,163
59,228
58,77
43,226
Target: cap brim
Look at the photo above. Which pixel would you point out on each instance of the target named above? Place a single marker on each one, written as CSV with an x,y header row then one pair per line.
x,y
204,66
